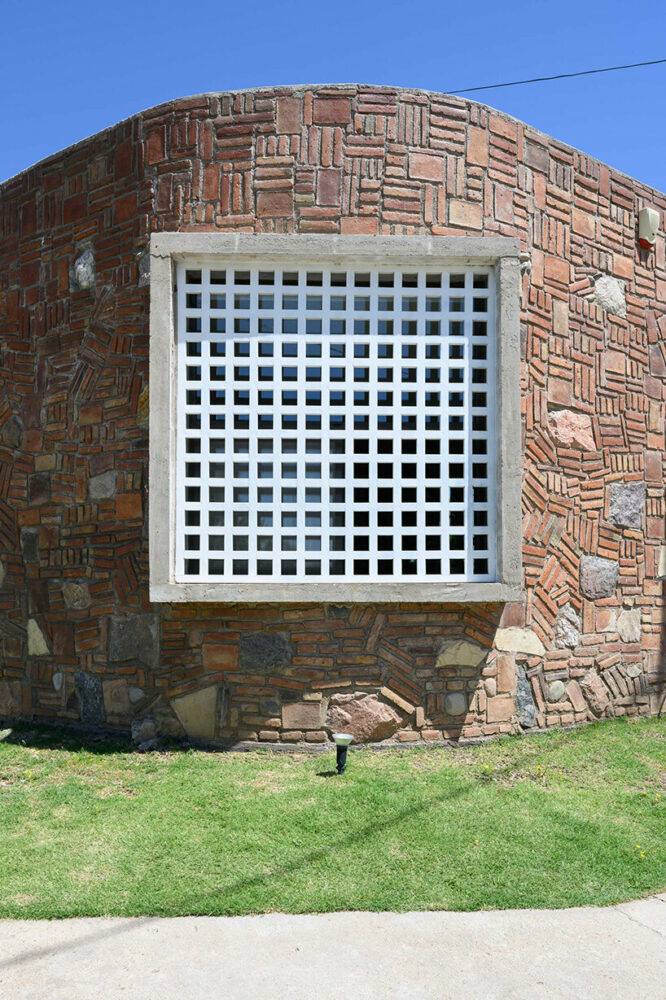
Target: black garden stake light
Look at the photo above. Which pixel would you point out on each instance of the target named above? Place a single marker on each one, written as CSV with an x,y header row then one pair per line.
x,y
342,741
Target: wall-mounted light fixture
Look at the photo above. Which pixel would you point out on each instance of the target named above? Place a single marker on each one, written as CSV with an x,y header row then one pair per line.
x,y
648,227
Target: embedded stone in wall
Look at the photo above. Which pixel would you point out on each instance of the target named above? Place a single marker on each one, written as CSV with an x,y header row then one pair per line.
x,y
116,698
12,433
629,626
455,703
633,670
265,651
197,712
57,680
571,430
595,692
524,699
598,577
91,698
459,653
134,637
30,544
103,486
37,645
556,691
609,294
519,640
364,716
10,698
143,265
567,629
626,504
576,696
302,715
76,596
82,271
143,407
144,730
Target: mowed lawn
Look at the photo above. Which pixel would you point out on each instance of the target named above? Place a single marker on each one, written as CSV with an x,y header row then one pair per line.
x,y
561,819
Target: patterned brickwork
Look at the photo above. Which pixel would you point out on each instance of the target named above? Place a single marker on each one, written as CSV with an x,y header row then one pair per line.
x,y
79,639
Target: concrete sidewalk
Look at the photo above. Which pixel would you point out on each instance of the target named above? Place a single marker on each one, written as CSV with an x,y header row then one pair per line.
x,y
582,954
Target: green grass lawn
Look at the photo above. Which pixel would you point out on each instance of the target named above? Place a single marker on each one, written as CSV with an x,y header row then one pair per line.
x,y
562,819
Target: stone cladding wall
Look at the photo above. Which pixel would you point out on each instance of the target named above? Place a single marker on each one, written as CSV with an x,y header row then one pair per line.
x,y
79,639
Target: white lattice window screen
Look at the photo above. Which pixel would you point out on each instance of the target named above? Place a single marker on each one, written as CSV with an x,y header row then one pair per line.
x,y
335,424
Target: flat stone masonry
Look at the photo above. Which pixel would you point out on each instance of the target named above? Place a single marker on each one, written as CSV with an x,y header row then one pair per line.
x,y
80,640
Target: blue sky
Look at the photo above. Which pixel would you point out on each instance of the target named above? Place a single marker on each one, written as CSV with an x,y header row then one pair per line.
x,y
68,70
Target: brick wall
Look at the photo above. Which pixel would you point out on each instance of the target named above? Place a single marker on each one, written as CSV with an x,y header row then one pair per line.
x,y
79,639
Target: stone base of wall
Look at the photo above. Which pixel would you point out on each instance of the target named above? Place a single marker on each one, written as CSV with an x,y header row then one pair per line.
x,y
293,675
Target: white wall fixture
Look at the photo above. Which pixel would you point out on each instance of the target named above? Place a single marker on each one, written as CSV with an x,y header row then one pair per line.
x,y
648,227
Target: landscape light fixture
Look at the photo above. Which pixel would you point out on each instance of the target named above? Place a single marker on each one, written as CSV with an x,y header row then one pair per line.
x,y
342,741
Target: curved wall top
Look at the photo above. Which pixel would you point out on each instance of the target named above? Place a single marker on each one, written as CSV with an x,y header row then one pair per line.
x,y
79,637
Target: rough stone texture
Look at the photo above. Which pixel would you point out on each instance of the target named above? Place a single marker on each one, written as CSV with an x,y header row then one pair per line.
x,y
264,651
75,372
519,640
524,699
76,596
576,696
57,680
455,704
197,712
629,626
556,691
302,715
567,629
626,504
364,716
102,487
30,544
10,698
91,698
609,294
37,644
459,653
571,430
116,699
144,730
598,577
595,692
82,273
12,433
135,637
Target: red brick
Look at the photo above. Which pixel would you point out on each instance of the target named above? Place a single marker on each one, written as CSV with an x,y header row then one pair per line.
x,y
426,166
288,115
274,204
328,186
128,506
331,111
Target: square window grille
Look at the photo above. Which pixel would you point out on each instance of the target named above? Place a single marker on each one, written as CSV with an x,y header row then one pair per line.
x,y
334,424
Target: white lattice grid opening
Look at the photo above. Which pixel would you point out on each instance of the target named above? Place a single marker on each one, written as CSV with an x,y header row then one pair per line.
x,y
335,424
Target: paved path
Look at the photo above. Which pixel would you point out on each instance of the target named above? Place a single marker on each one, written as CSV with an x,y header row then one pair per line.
x,y
582,954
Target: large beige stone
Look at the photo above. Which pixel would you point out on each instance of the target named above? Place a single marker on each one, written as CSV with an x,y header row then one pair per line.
x,y
571,430
37,645
661,571
519,640
302,715
629,626
116,698
364,716
196,712
459,653
500,709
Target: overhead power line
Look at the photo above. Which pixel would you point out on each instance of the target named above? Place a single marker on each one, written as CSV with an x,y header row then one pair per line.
x,y
559,76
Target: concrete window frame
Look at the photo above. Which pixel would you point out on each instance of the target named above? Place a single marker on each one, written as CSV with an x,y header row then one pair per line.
x,y
501,253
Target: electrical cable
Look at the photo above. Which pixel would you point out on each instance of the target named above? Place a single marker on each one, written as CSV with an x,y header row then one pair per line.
x,y
559,76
